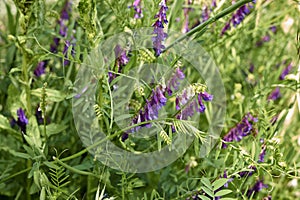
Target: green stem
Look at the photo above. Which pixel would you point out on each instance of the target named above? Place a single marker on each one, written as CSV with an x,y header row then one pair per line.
x,y
72,169
16,174
202,26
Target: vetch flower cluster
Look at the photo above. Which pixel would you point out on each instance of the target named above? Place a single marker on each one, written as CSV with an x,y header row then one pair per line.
x,y
267,37
242,129
188,104
161,17
63,28
155,102
186,11
258,186
238,16
121,61
137,8
275,94
206,11
22,120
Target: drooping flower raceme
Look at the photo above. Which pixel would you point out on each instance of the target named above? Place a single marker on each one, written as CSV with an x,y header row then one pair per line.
x,y
155,102
62,22
238,16
242,129
161,17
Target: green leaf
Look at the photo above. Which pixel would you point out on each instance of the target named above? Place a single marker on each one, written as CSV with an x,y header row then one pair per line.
x,y
206,182
33,133
19,154
5,125
53,129
203,197
207,191
51,165
52,95
219,183
223,192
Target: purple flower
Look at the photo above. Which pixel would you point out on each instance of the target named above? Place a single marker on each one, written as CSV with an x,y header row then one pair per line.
x,y
40,69
173,83
186,11
155,102
137,8
22,120
201,108
121,56
205,14
251,68
159,28
189,105
275,94
262,154
258,186
225,28
121,60
63,28
238,16
248,173
273,29
206,97
229,180
242,129
285,71
54,45
150,111
39,116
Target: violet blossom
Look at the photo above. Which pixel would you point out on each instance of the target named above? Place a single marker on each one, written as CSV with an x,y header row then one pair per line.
x,y
64,17
137,8
275,94
121,60
40,69
258,186
22,120
186,11
238,16
159,28
285,71
242,129
155,102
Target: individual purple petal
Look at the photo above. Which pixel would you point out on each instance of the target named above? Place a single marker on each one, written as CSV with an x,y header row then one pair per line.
x,y
202,107
206,97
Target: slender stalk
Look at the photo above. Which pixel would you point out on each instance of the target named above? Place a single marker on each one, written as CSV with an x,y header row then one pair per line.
x,y
202,26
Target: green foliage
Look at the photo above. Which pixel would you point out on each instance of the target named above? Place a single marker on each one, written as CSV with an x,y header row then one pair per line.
x,y
49,161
